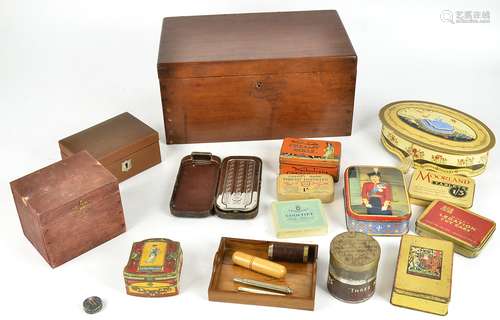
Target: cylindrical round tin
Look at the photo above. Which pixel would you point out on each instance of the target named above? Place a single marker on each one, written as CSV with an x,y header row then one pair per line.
x,y
354,258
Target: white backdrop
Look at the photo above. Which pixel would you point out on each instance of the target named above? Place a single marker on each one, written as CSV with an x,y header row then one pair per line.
x,y
66,65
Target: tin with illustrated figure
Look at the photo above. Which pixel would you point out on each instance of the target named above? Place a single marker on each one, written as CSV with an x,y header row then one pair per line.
x,y
376,201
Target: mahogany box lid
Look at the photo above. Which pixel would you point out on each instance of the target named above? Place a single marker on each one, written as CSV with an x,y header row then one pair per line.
x,y
112,139
197,46
62,183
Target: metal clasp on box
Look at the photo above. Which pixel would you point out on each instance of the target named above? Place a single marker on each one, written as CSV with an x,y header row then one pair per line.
x,y
201,157
126,165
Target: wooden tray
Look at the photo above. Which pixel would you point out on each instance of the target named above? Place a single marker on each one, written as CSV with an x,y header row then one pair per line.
x,y
301,277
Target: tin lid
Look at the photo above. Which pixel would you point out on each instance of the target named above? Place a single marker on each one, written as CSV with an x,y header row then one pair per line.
x,y
361,183
426,186
437,127
239,184
355,251
458,225
155,258
424,268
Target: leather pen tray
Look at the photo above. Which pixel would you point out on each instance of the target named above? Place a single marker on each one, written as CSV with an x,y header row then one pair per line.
x,y
206,185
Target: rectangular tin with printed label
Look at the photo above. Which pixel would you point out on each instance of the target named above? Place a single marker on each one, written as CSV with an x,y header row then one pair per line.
x,y
306,156
376,201
468,231
299,218
423,274
153,268
426,186
305,186
123,144
205,185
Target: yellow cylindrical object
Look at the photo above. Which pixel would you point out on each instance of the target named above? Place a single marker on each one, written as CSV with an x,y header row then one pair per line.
x,y
260,265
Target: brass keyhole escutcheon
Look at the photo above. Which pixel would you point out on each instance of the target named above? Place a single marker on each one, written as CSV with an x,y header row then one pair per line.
x,y
259,84
126,165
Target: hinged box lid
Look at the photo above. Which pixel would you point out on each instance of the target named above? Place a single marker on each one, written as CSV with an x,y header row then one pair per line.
x,y
67,183
203,46
111,140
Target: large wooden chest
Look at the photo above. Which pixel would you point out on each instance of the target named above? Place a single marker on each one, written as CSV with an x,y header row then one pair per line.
x,y
256,76
69,207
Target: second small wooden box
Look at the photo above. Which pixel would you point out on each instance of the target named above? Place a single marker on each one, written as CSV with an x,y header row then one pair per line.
x,y
124,145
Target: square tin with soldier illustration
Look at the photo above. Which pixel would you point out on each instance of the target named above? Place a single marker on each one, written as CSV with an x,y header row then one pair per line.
x,y
376,200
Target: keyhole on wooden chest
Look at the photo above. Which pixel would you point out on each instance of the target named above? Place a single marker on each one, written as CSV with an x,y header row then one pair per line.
x,y
126,165
259,84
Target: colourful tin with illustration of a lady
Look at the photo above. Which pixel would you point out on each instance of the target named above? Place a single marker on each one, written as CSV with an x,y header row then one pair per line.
x,y
153,268
376,201
435,137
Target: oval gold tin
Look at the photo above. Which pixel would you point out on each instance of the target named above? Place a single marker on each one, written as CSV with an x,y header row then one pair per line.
x,y
436,137
426,186
305,186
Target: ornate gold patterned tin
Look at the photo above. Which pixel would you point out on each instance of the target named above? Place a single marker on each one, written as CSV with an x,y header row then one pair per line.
x,y
436,137
423,274
426,186
305,186
354,258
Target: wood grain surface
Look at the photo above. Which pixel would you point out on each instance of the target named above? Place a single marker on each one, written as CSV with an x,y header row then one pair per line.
x,y
267,76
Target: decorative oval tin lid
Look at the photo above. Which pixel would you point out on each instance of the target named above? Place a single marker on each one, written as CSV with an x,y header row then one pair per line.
x,y
355,251
437,127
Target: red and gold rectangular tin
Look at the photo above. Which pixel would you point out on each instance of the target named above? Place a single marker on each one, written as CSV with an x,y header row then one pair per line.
x,y
154,268
468,231
304,156
376,201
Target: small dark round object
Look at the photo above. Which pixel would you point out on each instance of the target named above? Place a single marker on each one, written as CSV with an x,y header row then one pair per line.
x,y
92,305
